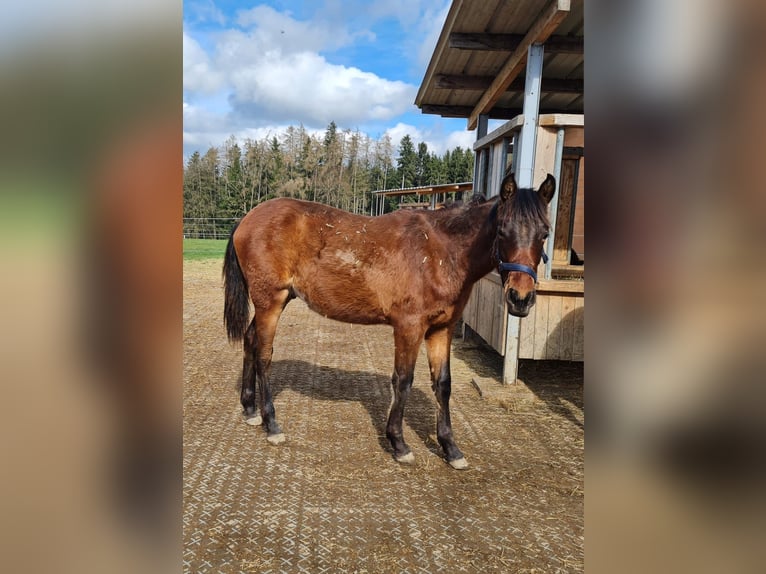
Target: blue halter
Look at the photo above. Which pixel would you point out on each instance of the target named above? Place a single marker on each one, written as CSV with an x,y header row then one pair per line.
x,y
503,266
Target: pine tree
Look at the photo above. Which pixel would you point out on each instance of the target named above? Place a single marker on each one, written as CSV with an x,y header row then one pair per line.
x,y
406,163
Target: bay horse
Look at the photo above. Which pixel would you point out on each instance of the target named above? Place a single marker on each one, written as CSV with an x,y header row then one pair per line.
x,y
411,269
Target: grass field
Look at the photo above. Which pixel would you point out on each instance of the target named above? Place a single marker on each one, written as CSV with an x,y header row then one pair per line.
x,y
196,249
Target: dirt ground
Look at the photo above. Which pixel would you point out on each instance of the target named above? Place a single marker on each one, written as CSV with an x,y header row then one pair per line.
x,y
331,498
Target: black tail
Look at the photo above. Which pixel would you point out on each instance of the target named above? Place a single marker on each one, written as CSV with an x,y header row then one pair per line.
x,y
236,308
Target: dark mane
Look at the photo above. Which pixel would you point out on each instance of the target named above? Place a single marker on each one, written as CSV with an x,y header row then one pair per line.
x,y
457,217
525,206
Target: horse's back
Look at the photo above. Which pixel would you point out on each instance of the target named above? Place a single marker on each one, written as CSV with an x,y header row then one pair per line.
x,y
348,267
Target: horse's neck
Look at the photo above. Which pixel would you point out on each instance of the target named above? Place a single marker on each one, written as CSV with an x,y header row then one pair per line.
x,y
477,242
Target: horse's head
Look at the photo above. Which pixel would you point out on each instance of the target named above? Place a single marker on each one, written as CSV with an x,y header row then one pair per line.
x,y
522,227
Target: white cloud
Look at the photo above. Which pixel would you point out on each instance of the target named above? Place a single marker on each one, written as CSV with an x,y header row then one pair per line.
x,y
400,130
431,24
305,87
204,11
278,30
199,75
272,69
204,129
464,139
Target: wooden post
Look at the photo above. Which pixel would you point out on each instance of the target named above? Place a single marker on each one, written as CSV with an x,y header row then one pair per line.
x,y
554,206
481,128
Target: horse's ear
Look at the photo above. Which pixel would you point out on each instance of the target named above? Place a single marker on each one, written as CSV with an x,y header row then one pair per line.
x,y
508,187
547,189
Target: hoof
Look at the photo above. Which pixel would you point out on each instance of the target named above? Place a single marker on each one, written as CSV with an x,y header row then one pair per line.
x,y
408,458
276,438
254,421
459,463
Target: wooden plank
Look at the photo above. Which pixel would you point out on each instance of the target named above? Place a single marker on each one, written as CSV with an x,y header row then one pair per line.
x,y
501,311
496,113
511,355
499,158
561,272
484,313
567,327
469,312
498,313
466,82
574,136
541,29
578,225
509,42
541,327
481,322
561,241
487,314
561,120
553,339
499,133
578,337
456,111
560,286
545,154
527,335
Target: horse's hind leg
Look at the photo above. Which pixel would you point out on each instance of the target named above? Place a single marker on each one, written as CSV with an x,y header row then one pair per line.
x,y
266,326
438,347
247,397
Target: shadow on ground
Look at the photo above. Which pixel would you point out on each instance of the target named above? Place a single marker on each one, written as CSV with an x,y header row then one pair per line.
x,y
558,384
371,390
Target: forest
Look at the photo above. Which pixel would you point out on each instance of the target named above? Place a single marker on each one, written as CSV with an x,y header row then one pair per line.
x,y
339,169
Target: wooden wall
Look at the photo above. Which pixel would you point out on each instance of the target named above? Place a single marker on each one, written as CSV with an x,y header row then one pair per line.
x,y
485,312
552,330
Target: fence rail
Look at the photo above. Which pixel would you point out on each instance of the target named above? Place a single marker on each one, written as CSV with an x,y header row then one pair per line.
x,y
208,227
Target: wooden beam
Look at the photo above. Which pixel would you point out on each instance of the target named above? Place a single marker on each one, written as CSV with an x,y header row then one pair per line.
x,y
509,42
544,26
448,111
465,82
565,119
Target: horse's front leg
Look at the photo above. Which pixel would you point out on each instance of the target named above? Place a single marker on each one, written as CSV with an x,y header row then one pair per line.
x,y
407,343
438,343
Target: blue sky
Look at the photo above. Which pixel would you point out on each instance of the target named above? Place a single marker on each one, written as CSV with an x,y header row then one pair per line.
x,y
253,68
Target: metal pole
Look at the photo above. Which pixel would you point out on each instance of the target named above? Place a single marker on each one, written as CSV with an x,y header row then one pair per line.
x,y
524,178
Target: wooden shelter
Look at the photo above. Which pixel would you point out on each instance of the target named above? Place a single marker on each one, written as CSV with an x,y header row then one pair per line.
x,y
522,61
435,193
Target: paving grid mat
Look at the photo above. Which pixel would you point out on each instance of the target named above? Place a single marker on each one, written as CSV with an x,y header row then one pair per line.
x,y
331,498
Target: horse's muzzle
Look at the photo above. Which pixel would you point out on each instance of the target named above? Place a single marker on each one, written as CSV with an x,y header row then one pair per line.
x,y
517,305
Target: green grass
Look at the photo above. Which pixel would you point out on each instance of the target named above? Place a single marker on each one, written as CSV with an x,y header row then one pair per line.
x,y
196,249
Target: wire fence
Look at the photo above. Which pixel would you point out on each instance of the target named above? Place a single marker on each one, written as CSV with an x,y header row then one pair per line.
x,y
208,227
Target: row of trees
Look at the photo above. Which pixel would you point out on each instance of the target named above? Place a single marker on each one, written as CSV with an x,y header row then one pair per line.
x,y
339,169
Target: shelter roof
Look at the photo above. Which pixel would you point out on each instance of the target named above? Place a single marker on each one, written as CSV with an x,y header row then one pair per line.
x,y
477,66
